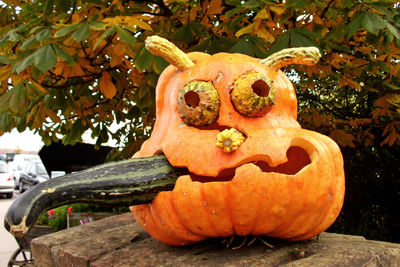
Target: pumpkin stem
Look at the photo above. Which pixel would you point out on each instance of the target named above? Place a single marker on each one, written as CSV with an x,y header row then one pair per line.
x,y
298,55
229,140
164,48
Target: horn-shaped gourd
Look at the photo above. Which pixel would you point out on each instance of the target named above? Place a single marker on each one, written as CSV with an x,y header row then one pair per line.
x,y
164,48
128,182
297,55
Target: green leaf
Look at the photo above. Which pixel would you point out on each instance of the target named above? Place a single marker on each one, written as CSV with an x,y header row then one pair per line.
x,y
372,22
393,30
296,4
388,38
251,4
64,55
391,86
233,11
244,46
337,34
64,5
18,98
281,43
23,64
5,122
105,34
144,59
308,33
66,30
36,29
199,29
45,58
183,34
13,36
259,47
82,32
29,42
354,25
48,8
43,35
97,25
299,39
159,64
125,36
5,101
233,2
4,60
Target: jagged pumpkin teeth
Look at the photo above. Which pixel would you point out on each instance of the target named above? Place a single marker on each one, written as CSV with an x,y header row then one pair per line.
x,y
252,94
198,103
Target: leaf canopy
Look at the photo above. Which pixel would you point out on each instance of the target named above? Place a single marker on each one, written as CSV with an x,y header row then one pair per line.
x,y
67,67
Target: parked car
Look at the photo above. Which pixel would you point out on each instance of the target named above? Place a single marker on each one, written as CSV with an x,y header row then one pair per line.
x,y
19,163
34,173
6,180
10,157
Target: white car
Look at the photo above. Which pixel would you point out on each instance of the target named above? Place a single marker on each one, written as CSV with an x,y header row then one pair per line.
x,y
19,163
6,180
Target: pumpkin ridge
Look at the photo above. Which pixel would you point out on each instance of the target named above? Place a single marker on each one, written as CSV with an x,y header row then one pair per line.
x,y
229,206
200,237
321,148
339,180
338,174
322,212
204,205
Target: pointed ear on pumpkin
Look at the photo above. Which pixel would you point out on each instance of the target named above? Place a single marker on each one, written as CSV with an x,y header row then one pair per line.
x,y
164,48
297,55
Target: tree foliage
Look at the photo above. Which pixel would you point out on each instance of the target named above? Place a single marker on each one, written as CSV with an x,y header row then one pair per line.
x,y
76,65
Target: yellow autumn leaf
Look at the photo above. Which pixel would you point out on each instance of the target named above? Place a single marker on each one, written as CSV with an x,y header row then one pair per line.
x,y
263,14
277,9
5,73
265,34
131,21
53,116
248,29
40,87
107,87
114,20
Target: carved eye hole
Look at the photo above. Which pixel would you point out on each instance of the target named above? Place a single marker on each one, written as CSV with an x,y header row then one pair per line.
x,y
252,94
198,103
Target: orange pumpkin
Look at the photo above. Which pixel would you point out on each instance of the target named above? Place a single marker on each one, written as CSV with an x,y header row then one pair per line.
x,y
253,169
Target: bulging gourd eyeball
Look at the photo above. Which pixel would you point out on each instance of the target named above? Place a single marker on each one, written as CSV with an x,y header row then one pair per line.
x,y
252,94
198,103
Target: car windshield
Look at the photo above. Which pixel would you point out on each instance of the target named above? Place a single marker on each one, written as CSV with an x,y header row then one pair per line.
x,y
40,169
3,168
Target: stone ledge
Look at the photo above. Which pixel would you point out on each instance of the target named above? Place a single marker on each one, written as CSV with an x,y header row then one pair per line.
x,y
119,241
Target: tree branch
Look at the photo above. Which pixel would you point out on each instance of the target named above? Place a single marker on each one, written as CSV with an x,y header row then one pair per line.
x,y
326,9
316,99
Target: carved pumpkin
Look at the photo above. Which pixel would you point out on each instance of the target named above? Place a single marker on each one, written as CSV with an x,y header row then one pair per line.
x,y
230,119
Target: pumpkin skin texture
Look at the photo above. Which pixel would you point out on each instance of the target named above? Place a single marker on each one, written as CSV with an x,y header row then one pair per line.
x,y
282,181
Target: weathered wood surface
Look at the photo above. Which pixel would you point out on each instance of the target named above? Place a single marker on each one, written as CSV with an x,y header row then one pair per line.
x,y
119,241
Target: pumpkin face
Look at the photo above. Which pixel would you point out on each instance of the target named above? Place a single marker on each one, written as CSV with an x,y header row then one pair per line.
x,y
279,180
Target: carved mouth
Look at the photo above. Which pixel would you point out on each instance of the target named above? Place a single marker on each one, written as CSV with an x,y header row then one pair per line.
x,y
297,157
